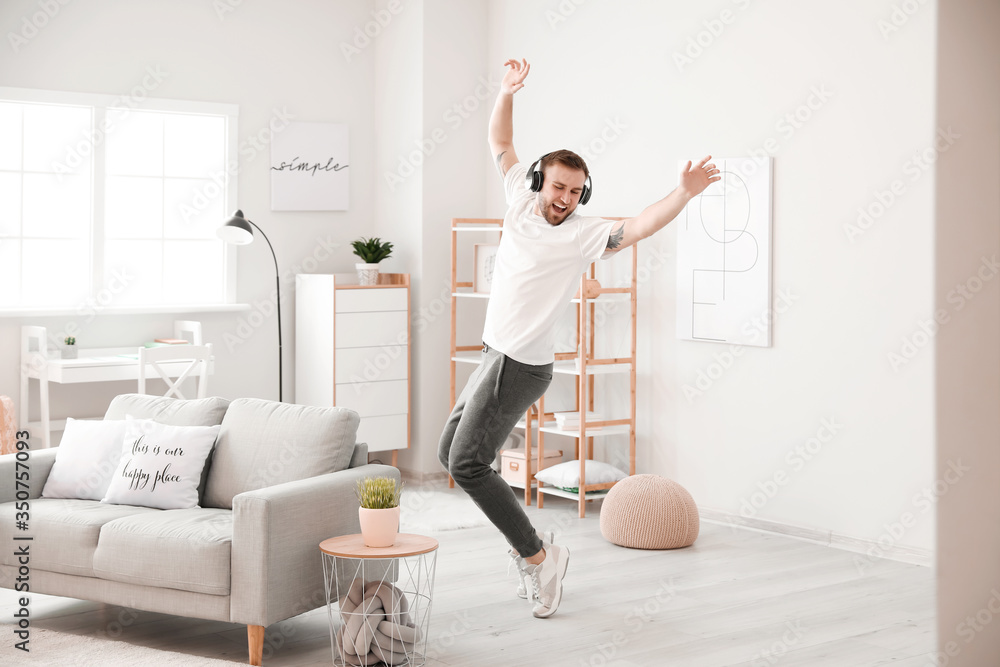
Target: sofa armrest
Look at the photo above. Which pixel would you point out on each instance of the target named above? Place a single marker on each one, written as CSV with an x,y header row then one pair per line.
x,y
277,571
39,465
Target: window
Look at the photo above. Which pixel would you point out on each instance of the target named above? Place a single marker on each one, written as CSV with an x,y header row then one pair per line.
x,y
103,202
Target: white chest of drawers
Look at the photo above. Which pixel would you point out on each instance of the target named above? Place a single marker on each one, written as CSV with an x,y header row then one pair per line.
x,y
352,350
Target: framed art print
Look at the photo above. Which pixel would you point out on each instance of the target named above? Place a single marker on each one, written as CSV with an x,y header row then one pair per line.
x,y
485,257
309,167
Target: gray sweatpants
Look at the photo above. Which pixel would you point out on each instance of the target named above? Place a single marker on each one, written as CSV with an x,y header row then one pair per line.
x,y
497,395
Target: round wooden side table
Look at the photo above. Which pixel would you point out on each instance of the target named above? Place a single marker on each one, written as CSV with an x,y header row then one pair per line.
x,y
383,596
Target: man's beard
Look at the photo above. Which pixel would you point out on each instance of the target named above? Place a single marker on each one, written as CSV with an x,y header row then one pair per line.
x,y
551,215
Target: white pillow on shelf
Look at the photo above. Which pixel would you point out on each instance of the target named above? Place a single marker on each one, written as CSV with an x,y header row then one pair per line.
x,y
566,475
85,459
160,465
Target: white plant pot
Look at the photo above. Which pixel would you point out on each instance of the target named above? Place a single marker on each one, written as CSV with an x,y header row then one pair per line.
x,y
69,352
367,273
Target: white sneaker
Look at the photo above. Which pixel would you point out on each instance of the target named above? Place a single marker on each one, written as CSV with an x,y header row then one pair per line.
x,y
519,562
522,576
546,580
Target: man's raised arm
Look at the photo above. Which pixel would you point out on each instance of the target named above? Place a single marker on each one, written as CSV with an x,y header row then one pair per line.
x,y
656,216
501,136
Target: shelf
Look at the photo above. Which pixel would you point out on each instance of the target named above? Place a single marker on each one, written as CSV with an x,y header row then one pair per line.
x,y
620,429
614,296
468,357
569,368
520,485
589,495
477,228
562,367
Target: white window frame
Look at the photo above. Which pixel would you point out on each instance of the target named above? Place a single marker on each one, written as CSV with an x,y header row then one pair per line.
x,y
100,103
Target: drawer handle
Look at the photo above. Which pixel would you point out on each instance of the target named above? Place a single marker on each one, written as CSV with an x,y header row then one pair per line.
x,y
514,465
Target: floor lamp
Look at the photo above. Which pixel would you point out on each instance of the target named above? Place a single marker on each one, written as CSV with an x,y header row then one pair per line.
x,y
237,230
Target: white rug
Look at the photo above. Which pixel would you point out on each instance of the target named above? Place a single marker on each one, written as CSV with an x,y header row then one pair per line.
x,y
424,510
59,649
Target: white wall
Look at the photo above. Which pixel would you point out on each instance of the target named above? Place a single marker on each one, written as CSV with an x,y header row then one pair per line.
x,y
432,158
456,107
599,65
601,68
261,56
398,72
399,180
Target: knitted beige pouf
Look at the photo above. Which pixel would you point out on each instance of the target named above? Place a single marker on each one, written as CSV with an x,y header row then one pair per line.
x,y
649,512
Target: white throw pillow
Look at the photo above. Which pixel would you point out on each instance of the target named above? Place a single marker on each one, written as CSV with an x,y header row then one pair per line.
x,y
85,459
566,475
161,465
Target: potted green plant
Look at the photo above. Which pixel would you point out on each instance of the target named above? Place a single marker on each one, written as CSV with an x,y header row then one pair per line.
x,y
69,350
379,510
371,251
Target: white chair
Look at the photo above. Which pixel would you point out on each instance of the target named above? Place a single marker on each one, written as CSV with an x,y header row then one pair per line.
x,y
199,357
35,356
193,327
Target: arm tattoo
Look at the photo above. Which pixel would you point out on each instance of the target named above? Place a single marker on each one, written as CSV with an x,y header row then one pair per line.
x,y
499,161
615,239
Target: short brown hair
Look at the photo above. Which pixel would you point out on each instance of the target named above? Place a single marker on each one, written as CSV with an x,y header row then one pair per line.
x,y
565,157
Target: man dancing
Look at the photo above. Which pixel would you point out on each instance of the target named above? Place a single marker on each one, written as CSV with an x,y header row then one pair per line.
x,y
544,249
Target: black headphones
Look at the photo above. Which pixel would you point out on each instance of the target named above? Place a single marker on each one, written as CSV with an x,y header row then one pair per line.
x,y
536,177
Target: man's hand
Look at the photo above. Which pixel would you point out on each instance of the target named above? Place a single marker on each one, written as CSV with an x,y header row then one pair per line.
x,y
501,132
513,80
695,180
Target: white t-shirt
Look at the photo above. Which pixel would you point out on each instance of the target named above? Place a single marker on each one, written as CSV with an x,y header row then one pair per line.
x,y
537,272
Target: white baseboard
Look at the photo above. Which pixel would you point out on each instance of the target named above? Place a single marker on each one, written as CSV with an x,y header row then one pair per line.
x,y
870,549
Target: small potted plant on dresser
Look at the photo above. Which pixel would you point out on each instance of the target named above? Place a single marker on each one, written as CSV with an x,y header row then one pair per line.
x,y
69,350
371,251
379,510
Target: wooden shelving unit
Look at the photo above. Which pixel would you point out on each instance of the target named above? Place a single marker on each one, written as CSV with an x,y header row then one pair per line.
x,y
586,366
583,364
463,290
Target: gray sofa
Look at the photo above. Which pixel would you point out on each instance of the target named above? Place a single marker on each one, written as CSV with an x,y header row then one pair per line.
x,y
280,480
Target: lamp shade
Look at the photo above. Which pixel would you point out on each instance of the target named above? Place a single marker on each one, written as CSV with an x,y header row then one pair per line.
x,y
236,230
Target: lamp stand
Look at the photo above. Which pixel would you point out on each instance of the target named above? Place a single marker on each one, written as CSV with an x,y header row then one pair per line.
x,y
277,284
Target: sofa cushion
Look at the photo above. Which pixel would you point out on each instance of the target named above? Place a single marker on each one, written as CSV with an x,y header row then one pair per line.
x,y
86,458
175,412
359,456
65,532
160,465
188,550
167,410
263,443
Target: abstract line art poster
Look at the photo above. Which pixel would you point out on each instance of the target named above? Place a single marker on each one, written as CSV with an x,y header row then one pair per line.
x,y
724,257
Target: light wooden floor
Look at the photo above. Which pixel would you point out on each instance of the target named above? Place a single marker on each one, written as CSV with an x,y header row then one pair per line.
x,y
736,597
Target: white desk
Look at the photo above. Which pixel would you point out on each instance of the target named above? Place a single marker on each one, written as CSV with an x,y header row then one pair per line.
x,y
93,365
